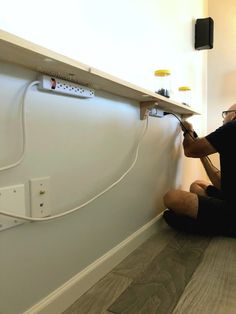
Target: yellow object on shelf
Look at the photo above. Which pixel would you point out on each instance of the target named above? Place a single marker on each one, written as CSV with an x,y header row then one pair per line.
x,y
162,72
184,88
163,82
185,95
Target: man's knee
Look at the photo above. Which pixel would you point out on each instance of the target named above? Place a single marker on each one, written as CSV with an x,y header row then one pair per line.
x,y
170,198
182,202
195,186
199,187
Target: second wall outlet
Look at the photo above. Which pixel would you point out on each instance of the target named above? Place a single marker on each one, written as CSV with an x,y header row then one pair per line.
x,y
40,197
12,200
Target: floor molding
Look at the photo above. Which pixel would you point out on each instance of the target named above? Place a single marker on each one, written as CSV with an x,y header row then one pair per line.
x,y
60,299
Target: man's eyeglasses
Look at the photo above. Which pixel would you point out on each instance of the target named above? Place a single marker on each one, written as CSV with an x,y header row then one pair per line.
x,y
224,113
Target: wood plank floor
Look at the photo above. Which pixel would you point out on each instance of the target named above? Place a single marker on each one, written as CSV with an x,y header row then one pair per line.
x,y
171,272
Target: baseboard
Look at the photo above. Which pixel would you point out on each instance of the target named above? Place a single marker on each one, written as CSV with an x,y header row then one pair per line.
x,y
60,299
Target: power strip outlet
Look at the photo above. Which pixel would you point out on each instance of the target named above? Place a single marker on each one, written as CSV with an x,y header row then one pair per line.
x,y
64,87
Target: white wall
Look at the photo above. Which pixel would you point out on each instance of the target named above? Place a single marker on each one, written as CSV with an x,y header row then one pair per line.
x,y
129,39
221,63
85,145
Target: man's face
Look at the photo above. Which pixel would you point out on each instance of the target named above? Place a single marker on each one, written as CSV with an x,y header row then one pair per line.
x,y
229,114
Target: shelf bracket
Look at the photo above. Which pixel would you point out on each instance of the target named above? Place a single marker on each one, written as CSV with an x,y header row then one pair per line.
x,y
185,116
145,106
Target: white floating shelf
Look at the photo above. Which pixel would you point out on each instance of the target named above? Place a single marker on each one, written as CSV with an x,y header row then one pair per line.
x,y
18,51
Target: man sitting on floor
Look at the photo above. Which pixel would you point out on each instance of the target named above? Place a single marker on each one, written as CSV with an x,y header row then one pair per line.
x,y
209,208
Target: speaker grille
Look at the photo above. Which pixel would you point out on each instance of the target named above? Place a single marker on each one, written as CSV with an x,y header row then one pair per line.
x,y
204,29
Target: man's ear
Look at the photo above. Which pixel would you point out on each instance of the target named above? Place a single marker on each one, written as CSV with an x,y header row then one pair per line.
x,y
234,117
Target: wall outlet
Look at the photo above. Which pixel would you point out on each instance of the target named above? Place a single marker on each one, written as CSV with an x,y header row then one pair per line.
x,y
12,200
57,85
156,112
40,197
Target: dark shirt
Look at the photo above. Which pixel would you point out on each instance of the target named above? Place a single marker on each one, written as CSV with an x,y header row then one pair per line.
x,y
223,140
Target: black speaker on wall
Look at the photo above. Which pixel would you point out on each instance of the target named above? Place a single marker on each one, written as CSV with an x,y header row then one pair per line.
x,y
204,31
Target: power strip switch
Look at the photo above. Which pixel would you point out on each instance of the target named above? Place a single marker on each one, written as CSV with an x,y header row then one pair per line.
x,y
57,85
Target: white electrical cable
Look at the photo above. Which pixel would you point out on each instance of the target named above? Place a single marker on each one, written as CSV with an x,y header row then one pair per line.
x,y
23,129
89,201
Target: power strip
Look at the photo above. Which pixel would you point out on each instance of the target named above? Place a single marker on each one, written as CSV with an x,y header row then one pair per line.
x,y
156,112
64,87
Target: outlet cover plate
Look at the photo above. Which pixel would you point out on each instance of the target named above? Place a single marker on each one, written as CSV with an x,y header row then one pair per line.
x,y
40,197
12,200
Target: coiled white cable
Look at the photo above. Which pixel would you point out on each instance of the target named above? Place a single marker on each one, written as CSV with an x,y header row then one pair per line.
x,y
93,198
23,129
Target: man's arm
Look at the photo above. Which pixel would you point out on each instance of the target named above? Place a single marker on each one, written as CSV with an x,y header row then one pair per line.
x,y
200,148
213,173
193,145
197,147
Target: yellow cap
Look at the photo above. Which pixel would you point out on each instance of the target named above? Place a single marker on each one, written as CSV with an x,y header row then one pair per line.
x,y
184,88
162,72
